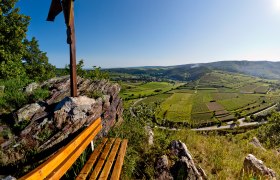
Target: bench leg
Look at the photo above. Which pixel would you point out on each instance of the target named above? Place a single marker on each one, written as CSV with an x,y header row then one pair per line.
x,y
92,145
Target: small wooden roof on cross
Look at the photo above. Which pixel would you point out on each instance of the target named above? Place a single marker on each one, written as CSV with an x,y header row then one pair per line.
x,y
55,9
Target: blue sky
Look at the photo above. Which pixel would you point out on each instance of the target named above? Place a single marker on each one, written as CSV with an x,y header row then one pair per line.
x,y
125,33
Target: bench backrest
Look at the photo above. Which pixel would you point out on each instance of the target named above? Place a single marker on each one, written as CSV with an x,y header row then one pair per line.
x,y
58,164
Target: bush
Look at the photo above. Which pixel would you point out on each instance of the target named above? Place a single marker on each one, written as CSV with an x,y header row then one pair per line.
x,y
40,94
269,133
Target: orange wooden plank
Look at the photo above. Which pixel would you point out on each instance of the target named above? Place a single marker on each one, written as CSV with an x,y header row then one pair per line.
x,y
102,159
119,162
92,159
106,170
47,167
68,162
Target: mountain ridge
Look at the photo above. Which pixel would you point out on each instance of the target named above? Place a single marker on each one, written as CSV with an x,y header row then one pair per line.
x,y
263,69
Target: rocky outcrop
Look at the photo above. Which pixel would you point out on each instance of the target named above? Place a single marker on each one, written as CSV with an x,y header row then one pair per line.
x,y
31,87
182,166
27,112
163,168
150,134
255,142
256,167
2,89
56,120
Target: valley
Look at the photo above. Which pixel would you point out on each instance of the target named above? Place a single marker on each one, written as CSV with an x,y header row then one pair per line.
x,y
217,114
216,98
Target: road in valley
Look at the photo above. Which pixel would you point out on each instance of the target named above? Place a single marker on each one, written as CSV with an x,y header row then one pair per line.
x,y
231,124
131,107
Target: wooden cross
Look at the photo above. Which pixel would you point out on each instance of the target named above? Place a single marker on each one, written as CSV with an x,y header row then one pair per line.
x,y
67,6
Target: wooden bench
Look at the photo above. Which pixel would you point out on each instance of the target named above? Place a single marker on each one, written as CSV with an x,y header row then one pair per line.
x,y
109,152
58,164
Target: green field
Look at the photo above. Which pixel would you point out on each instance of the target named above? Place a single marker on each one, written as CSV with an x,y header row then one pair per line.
x,y
157,98
215,96
138,90
238,102
177,108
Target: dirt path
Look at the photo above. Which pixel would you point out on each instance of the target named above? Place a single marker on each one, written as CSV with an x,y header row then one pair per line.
x,y
131,107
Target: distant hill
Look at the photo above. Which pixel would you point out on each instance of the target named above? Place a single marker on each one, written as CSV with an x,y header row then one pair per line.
x,y
263,69
186,72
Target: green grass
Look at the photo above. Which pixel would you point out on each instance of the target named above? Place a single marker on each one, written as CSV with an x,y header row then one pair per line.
x,y
220,156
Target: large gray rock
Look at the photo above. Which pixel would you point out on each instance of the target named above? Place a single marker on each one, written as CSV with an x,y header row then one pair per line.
x,y
182,167
58,118
254,166
9,178
255,142
150,133
162,169
31,87
27,112
185,165
2,89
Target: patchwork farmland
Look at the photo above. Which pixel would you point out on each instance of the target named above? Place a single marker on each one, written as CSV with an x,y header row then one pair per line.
x,y
216,97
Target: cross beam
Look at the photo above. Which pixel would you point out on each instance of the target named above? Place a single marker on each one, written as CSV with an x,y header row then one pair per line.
x,y
67,6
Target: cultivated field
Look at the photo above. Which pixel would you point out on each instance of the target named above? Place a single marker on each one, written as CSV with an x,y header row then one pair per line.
x,y
138,90
215,97
177,108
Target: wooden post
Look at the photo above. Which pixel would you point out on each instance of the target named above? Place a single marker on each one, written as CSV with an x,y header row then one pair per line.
x,y
68,9
67,6
72,45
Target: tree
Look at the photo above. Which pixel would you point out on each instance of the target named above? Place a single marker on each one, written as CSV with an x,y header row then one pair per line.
x,y
12,33
94,73
20,58
36,62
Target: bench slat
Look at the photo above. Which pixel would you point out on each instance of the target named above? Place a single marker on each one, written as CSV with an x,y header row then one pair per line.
x,y
92,159
48,166
69,161
102,159
118,165
106,170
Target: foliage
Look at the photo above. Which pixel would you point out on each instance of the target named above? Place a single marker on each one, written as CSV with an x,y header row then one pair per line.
x,y
13,96
220,156
139,159
39,94
12,33
95,94
95,73
18,127
269,133
19,57
36,62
